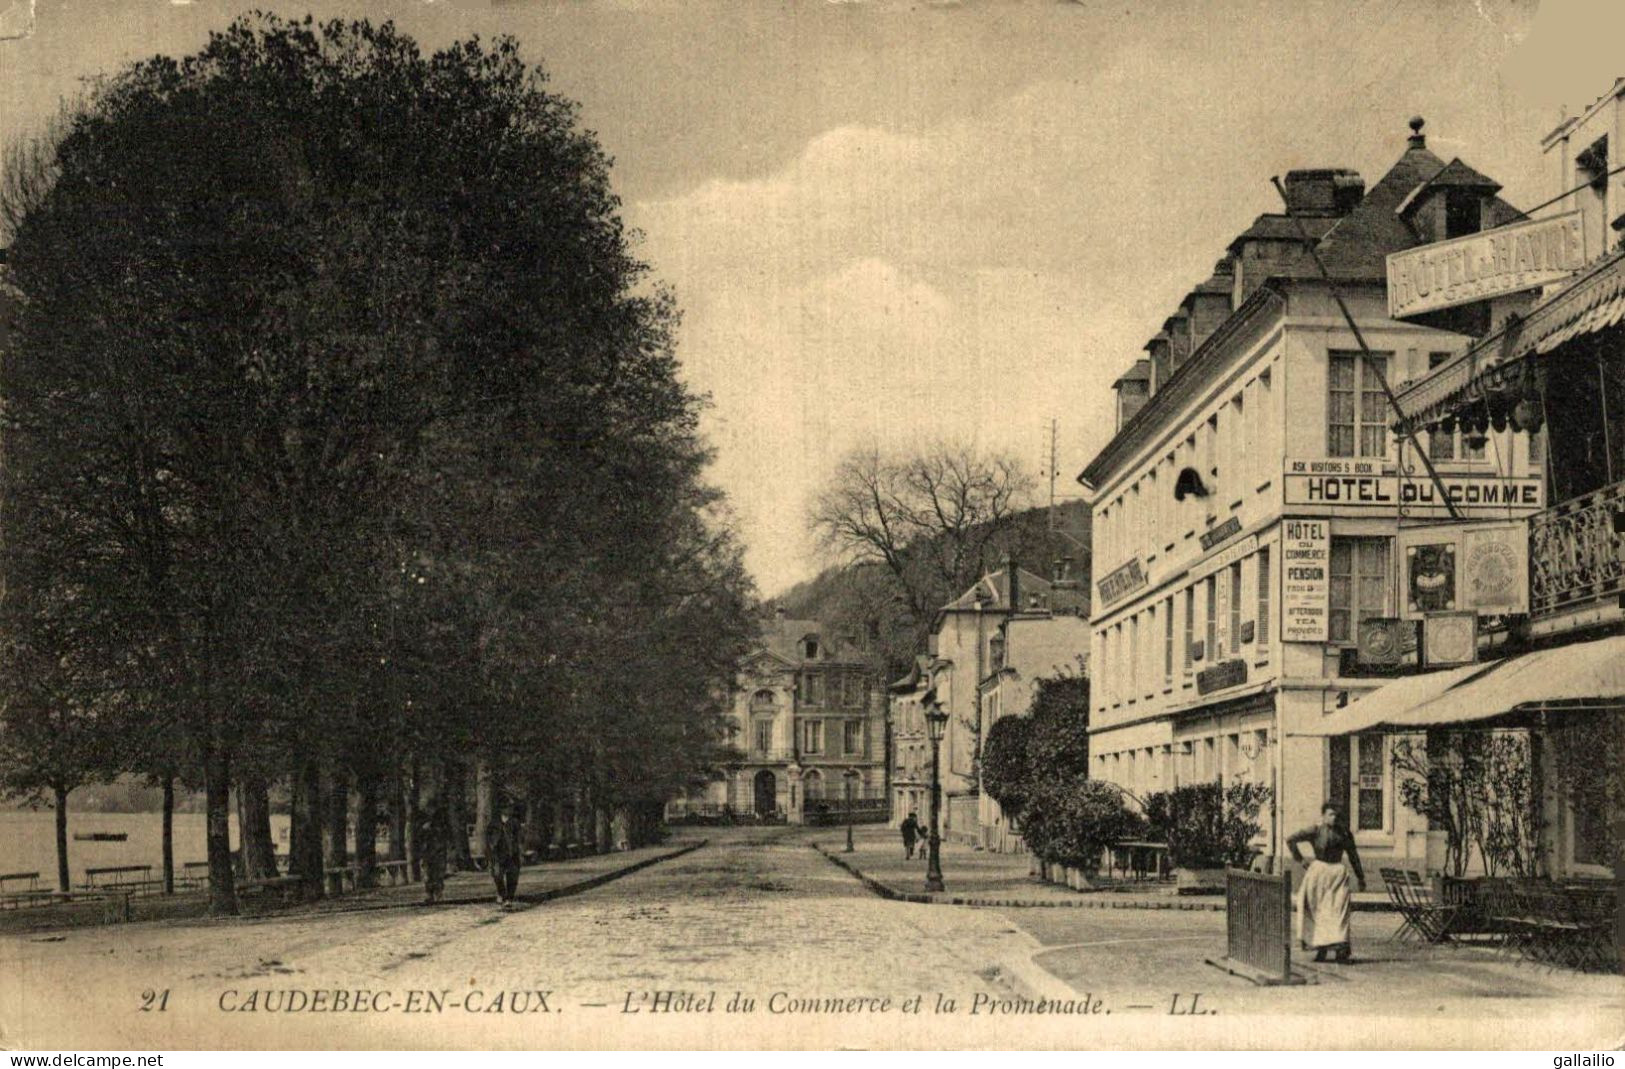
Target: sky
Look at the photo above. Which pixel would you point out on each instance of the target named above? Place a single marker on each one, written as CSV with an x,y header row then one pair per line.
x,y
894,223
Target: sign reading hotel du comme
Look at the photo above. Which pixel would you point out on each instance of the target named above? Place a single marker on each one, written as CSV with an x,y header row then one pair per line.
x,y
1361,484
1478,266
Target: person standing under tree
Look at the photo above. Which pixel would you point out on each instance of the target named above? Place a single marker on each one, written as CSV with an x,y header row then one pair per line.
x,y
503,854
431,842
1323,894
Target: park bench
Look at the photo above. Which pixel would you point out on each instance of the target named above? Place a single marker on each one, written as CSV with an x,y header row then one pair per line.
x,y
112,876
395,871
115,899
282,886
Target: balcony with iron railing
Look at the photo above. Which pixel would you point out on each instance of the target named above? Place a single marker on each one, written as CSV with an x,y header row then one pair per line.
x,y
1577,552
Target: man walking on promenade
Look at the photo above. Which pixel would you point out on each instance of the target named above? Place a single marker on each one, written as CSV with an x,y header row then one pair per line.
x,y
911,834
503,854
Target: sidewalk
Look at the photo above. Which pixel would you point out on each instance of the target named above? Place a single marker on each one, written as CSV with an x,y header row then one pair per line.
x,y
537,884
983,878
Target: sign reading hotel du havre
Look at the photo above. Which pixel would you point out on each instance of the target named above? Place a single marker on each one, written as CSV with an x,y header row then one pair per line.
x,y
1495,262
1363,484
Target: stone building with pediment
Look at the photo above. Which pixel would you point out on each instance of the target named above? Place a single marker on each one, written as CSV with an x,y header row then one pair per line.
x,y
805,721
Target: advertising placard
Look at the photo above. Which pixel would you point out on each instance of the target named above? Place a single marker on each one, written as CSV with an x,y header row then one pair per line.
x,y
1494,563
1306,557
1430,577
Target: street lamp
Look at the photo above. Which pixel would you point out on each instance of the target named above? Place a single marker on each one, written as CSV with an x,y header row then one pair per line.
x,y
852,775
936,722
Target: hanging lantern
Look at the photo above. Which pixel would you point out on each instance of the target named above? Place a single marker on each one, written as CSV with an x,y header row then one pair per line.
x,y
1528,416
1500,406
1448,425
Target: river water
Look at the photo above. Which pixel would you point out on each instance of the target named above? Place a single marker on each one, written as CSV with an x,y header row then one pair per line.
x,y
28,841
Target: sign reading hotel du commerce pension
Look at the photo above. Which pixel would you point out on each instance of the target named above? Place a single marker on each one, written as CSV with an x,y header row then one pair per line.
x,y
1363,484
1306,555
1478,266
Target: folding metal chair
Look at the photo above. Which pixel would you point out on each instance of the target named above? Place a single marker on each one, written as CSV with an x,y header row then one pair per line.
x,y
1396,884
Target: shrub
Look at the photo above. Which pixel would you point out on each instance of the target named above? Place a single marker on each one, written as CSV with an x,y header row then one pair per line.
x,y
1206,825
1072,823
1006,771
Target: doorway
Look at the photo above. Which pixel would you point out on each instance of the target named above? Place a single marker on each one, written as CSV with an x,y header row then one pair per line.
x,y
767,793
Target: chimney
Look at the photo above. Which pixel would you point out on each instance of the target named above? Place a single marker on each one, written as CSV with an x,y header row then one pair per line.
x,y
1013,571
1323,191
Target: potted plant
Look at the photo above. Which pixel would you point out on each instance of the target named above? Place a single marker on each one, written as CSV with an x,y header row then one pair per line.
x,y
1208,827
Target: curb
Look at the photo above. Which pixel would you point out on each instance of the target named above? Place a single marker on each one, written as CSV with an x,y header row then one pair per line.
x,y
1104,901
921,898
527,901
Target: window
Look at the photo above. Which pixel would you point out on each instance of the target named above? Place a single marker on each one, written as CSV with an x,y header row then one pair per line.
x,y
1134,656
1210,649
1356,408
812,736
1359,578
813,785
855,690
1235,606
762,701
1168,642
812,688
853,742
1190,625
809,648
1262,632
1368,802
764,736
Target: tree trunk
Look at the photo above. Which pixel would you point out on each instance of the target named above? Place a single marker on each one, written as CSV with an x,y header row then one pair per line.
x,y
620,828
305,847
217,803
366,828
455,786
412,804
600,832
63,881
169,835
254,828
335,811
484,801
561,834
399,817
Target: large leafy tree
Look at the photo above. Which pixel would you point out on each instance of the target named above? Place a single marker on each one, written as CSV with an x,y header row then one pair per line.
x,y
343,408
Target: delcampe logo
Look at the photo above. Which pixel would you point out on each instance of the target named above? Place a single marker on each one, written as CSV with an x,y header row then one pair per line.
x,y
16,19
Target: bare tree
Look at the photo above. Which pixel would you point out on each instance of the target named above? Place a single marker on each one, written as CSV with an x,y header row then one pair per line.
x,y
935,519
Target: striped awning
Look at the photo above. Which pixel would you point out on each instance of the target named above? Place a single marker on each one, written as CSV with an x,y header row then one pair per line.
x,y
1580,676
1594,301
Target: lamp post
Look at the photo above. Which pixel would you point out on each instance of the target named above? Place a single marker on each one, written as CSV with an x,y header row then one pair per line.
x,y
936,722
852,775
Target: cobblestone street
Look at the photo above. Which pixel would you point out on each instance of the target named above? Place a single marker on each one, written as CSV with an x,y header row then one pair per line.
x,y
756,913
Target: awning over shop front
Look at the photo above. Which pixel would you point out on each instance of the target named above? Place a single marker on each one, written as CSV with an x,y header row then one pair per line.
x,y
1594,301
1579,676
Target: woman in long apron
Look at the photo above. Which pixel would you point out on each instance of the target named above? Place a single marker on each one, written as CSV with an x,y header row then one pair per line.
x,y
1323,894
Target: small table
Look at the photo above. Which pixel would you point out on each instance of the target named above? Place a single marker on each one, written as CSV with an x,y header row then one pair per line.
x,y
1139,856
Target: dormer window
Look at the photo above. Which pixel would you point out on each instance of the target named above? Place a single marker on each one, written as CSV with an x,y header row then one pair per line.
x,y
1463,213
809,648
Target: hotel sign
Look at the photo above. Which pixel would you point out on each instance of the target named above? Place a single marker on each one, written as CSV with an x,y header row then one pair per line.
x,y
1122,582
1362,484
1306,557
1478,266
